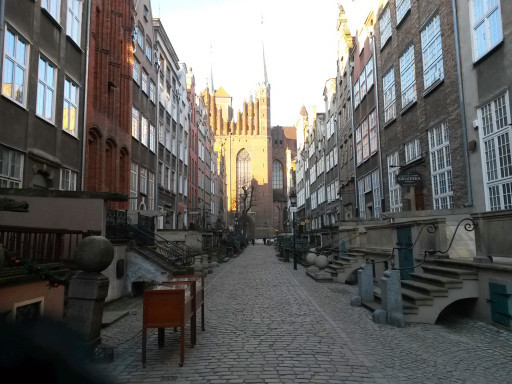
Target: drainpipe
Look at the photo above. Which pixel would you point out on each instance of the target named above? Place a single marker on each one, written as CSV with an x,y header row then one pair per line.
x,y
84,125
157,123
2,31
469,203
375,84
354,145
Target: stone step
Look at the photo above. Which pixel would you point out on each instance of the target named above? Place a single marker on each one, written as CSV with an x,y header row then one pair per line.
x,y
349,260
428,289
409,308
416,298
355,254
455,273
440,281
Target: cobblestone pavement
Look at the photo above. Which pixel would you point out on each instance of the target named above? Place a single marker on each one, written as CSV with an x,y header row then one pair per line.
x,y
266,323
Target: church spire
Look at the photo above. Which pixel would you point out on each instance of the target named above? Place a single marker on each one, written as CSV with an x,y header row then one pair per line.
x,y
265,76
211,88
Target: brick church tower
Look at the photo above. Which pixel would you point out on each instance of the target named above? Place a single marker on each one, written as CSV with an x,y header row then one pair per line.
x,y
247,147
109,98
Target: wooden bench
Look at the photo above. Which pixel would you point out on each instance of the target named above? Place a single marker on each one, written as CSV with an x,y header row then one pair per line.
x,y
169,305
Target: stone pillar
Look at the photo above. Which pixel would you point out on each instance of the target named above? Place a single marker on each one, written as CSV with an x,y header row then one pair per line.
x,y
391,297
198,265
88,290
365,282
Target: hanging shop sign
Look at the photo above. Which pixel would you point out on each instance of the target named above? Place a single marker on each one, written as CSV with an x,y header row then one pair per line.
x,y
408,179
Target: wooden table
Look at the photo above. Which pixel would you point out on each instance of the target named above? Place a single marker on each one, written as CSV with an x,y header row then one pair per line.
x,y
169,305
199,292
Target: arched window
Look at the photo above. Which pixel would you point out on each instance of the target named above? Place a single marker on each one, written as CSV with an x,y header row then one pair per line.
x,y
243,176
277,175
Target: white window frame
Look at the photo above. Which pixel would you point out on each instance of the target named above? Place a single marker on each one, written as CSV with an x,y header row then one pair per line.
x,y
152,138
412,150
484,23
356,94
134,182
369,74
377,203
408,77
388,85
362,82
496,144
151,190
74,20
11,168
359,145
72,100
432,52
68,179
144,131
136,70
365,137
135,123
385,27
140,36
395,190
362,201
19,63
402,6
143,186
52,7
372,123
152,91
45,86
149,50
441,167
144,82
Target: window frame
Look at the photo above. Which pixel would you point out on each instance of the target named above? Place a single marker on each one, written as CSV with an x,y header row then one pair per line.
x,y
71,179
441,165
74,15
408,69
15,64
46,86
72,84
385,25
136,121
484,20
391,103
432,64
50,8
13,177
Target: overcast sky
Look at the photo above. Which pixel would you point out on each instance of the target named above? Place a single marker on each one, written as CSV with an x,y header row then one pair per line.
x,y
299,38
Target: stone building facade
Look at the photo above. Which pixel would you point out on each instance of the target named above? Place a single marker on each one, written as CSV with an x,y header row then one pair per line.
x,y
43,79
419,112
109,98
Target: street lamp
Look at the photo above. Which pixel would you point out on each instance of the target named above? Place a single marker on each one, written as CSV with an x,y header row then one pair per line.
x,y
293,203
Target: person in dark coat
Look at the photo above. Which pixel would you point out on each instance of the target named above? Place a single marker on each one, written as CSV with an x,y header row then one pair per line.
x,y
253,241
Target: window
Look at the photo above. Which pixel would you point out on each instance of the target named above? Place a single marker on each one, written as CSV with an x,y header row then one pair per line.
x,y
412,151
70,109
11,168
395,191
136,70
377,207
143,180
140,36
277,175
362,202
15,67
359,146
388,85
487,26
369,74
385,27
151,191
144,84
46,89
74,20
356,94
366,139
373,132
402,6
243,174
362,83
152,91
152,138
149,50
67,180
135,123
144,131
134,179
52,6
407,77
441,166
495,140
432,52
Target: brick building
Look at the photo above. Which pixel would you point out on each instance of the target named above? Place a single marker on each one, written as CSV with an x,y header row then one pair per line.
x,y
419,110
109,98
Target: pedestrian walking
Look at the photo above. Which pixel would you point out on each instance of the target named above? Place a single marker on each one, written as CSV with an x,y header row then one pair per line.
x,y
264,241
253,241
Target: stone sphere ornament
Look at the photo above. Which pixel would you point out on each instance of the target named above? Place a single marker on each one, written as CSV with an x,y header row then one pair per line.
x,y
321,261
94,254
310,258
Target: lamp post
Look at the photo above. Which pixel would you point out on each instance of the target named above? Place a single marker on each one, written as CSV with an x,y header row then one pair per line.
x,y
293,203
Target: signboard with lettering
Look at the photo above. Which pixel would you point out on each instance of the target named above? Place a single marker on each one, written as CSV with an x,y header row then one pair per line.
x,y
408,179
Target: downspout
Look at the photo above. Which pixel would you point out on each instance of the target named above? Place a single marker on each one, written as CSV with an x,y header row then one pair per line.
x,y
354,144
469,203
375,84
86,87
157,128
2,31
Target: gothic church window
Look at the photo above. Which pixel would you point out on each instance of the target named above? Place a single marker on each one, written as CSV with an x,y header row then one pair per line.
x,y
243,173
277,175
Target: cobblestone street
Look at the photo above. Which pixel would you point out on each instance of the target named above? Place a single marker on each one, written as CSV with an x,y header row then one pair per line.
x,y
266,323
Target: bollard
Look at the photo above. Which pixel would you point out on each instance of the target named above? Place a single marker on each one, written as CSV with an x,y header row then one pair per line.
x,y
391,296
87,292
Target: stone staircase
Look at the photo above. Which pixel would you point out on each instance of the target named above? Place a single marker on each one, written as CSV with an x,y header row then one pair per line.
x,y
429,292
342,268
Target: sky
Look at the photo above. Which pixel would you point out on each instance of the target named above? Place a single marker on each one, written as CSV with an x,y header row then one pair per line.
x,y
299,37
